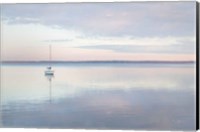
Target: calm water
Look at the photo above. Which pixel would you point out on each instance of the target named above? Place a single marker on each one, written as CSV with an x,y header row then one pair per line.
x,y
122,96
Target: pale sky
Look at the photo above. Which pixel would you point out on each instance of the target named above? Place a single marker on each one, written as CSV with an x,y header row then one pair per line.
x,y
99,31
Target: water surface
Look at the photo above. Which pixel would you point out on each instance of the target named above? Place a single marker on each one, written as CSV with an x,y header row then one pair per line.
x,y
99,96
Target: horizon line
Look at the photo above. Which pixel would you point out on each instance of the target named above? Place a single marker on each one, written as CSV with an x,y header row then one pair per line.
x,y
97,61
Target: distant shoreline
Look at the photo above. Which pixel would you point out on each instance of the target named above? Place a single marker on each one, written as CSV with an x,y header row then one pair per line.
x,y
98,62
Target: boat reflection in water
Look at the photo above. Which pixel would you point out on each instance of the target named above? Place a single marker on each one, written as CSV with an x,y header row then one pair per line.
x,y
50,77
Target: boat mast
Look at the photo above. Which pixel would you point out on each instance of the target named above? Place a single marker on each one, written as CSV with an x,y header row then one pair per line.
x,y
50,55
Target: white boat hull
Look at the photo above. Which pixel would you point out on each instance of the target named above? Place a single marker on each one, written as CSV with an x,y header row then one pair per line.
x,y
49,72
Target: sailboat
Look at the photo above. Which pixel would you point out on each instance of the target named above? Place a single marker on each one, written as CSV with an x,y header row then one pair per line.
x,y
49,71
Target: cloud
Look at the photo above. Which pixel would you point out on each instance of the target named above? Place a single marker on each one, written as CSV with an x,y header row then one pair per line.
x,y
21,20
58,40
96,30
174,45
176,49
129,40
109,19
